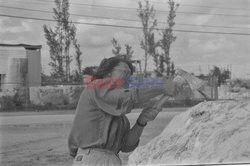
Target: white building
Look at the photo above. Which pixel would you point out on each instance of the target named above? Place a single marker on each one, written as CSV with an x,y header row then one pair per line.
x,y
20,65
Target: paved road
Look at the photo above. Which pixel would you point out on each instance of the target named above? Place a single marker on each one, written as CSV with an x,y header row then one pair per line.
x,y
32,119
57,118
46,119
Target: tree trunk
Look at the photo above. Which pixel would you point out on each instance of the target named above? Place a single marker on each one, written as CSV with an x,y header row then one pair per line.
x,y
146,63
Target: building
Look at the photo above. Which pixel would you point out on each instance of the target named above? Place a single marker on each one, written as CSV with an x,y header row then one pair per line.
x,y
20,65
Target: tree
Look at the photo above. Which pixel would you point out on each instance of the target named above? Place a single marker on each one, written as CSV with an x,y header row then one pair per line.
x,y
172,69
146,13
154,53
117,50
55,54
78,56
168,37
60,40
221,74
117,47
129,52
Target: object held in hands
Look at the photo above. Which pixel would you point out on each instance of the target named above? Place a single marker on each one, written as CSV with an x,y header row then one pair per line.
x,y
173,86
193,82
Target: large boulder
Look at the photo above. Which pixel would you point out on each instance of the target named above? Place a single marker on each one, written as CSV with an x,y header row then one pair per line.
x,y
210,132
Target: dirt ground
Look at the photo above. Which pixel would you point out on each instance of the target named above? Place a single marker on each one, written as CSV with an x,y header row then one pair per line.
x,y
34,141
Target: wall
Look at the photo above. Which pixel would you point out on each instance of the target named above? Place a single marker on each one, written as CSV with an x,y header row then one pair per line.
x,y
16,73
55,95
9,52
34,67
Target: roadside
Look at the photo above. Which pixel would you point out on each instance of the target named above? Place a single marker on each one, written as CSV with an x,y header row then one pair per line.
x,y
71,111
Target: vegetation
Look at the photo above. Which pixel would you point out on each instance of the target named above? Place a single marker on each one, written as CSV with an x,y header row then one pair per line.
x,y
158,49
146,13
221,74
60,40
167,38
117,50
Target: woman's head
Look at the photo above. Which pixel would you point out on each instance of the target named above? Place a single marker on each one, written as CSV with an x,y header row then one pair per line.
x,y
114,67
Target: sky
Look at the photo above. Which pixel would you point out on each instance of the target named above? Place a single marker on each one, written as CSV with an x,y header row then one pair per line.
x,y
193,52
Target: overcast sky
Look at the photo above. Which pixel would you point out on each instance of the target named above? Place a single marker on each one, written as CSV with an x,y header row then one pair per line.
x,y
194,52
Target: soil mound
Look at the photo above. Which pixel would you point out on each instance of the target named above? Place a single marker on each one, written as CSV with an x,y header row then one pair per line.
x,y
210,132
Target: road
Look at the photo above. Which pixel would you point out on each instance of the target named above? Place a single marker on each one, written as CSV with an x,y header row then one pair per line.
x,y
32,139
31,118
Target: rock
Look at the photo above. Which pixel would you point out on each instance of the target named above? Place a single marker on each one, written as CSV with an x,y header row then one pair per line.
x,y
210,132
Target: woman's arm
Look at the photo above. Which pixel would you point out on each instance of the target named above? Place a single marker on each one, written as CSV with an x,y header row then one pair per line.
x,y
115,102
131,139
144,95
168,88
121,101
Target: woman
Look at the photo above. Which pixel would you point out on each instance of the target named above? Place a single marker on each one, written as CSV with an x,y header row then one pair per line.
x,y
101,129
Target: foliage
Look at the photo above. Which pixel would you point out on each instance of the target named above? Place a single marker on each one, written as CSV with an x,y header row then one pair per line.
x,y
60,40
146,13
117,47
221,74
167,38
7,102
17,99
47,79
158,49
78,56
117,50
129,52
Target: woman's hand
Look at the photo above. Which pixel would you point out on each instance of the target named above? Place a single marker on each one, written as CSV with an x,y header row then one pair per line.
x,y
148,114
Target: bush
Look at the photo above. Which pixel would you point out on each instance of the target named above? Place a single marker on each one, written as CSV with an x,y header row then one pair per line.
x,y
7,102
17,99
76,93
